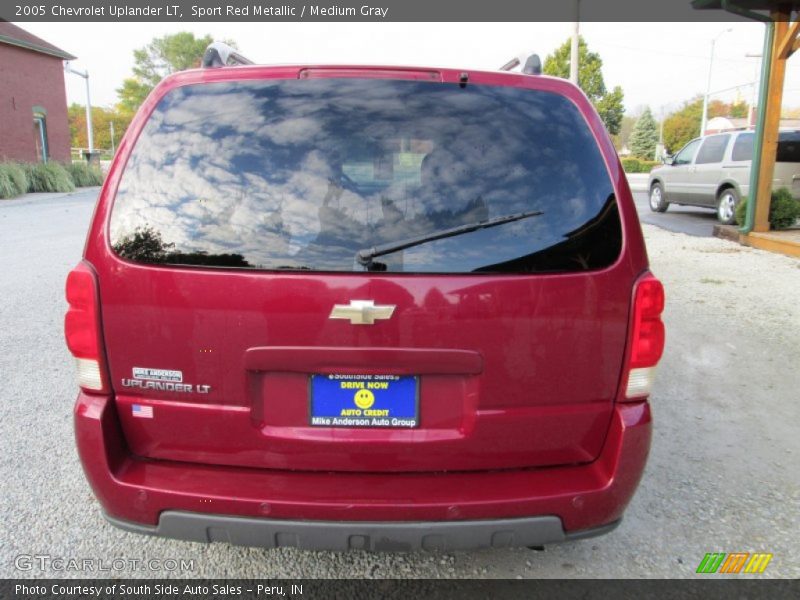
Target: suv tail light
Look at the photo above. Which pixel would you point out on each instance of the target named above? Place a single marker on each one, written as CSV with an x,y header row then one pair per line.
x,y
646,342
82,329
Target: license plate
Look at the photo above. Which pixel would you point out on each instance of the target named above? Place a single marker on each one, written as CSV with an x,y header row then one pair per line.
x,y
364,401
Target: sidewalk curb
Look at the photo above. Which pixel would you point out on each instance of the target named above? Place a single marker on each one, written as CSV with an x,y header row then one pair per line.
x,y
37,197
638,181
727,232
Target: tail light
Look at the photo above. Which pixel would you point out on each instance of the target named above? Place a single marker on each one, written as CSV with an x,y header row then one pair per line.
x,y
82,329
646,343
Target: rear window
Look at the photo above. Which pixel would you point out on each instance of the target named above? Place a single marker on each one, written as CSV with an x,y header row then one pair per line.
x,y
788,147
304,174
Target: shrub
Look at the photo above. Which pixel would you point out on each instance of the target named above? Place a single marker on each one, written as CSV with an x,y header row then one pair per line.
x,y
83,174
630,165
741,212
783,210
48,177
636,165
13,181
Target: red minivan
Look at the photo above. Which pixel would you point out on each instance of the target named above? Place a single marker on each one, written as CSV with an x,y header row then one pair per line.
x,y
365,308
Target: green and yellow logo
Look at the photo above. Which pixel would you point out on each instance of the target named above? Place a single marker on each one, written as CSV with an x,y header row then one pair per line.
x,y
735,562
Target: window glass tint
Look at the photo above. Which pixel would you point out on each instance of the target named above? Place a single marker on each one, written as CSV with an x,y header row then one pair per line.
x,y
302,174
712,150
685,156
743,147
788,146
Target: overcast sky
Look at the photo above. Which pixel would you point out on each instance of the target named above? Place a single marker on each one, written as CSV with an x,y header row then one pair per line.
x,y
657,64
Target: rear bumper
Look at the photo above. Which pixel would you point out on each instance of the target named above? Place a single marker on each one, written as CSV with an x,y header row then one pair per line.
x,y
395,536
342,510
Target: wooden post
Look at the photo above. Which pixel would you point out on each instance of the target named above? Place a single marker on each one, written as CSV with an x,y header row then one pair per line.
x,y
790,42
771,125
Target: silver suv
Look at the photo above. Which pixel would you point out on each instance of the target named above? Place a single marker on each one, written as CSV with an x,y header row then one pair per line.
x,y
714,172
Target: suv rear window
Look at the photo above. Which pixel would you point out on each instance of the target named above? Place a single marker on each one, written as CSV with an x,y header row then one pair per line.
x,y
788,147
302,174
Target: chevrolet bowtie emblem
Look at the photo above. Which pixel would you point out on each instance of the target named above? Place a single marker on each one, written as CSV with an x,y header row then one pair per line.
x,y
361,312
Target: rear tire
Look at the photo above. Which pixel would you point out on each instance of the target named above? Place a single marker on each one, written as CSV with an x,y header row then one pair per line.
x,y
727,201
657,201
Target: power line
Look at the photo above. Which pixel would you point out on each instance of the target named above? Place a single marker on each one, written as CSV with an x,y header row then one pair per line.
x,y
666,53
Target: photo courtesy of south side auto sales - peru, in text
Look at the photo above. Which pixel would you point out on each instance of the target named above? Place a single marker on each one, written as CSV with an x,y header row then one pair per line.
x,y
250,10
124,590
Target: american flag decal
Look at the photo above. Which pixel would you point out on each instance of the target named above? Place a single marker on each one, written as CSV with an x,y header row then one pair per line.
x,y
143,412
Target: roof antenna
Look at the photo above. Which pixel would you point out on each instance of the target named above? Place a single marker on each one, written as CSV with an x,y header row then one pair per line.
x,y
533,66
220,54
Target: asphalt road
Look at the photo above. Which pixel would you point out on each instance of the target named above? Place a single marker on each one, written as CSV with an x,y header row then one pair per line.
x,y
722,475
680,219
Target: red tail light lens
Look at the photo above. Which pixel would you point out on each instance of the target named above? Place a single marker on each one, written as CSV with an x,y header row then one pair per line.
x,y
647,337
648,330
82,329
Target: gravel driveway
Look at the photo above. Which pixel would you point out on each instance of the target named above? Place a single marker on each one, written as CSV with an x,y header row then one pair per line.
x,y
723,474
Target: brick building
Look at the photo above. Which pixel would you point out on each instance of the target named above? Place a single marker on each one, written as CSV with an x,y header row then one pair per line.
x,y
33,101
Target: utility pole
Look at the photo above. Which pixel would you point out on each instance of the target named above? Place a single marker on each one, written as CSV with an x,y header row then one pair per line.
x,y
89,132
573,58
113,149
660,150
751,110
704,120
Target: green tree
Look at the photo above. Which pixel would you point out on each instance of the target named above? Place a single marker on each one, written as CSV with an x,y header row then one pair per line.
x,y
625,130
644,137
738,110
679,129
162,56
683,125
132,94
101,125
611,109
590,79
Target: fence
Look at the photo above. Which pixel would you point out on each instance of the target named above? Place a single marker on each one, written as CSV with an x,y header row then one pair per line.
x,y
79,154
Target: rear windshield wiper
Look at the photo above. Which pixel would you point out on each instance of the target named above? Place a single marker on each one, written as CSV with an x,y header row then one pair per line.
x,y
366,255
292,268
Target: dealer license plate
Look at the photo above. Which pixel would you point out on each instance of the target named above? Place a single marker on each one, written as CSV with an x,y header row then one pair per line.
x,y
364,401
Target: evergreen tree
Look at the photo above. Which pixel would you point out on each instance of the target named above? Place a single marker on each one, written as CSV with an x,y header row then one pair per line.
x,y
644,136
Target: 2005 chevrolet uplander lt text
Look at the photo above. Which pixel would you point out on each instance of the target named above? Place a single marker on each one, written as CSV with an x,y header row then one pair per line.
x,y
364,307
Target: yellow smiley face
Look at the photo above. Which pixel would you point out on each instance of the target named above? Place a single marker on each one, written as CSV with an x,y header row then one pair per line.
x,y
364,399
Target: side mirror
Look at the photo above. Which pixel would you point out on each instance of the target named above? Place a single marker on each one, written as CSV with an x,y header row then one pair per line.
x,y
668,159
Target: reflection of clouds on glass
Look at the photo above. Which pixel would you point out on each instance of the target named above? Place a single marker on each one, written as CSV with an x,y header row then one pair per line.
x,y
258,169
298,130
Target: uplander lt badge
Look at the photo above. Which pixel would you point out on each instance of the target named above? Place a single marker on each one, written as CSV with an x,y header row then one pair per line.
x,y
165,380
